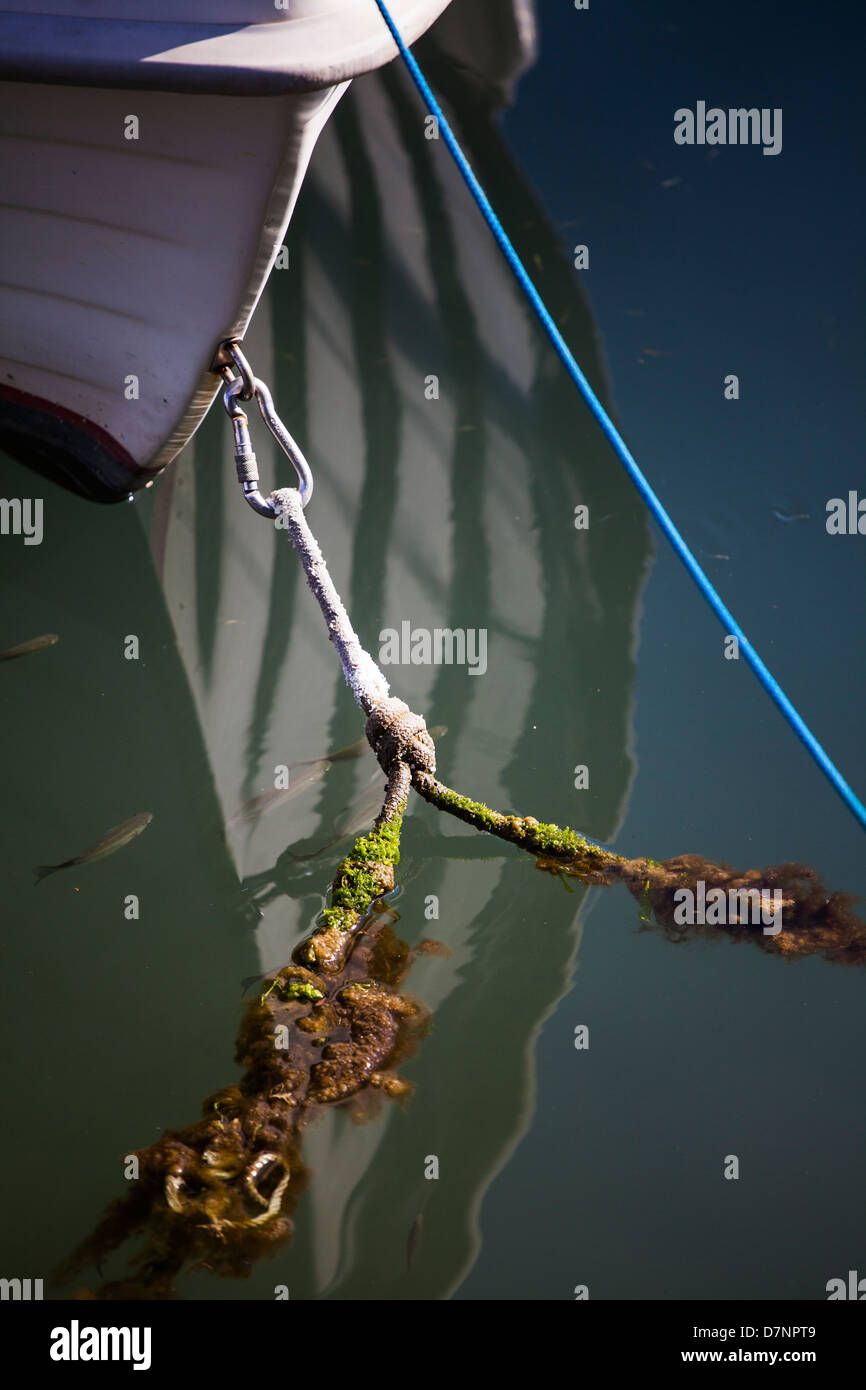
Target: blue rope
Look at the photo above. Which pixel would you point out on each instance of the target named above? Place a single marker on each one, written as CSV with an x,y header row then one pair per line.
x,y
618,445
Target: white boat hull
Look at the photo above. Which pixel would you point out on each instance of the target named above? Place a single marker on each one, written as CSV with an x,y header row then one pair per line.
x,y
127,262
140,226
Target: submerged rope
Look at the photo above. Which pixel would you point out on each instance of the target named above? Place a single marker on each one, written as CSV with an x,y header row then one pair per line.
x,y
722,612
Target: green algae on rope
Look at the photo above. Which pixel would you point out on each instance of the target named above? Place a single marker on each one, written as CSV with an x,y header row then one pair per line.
x,y
400,739
362,878
814,921
580,856
331,1026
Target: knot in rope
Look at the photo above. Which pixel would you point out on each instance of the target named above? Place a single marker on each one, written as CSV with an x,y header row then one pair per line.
x,y
396,735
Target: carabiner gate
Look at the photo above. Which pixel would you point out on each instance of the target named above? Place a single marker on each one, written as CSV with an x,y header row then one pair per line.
x,y
242,388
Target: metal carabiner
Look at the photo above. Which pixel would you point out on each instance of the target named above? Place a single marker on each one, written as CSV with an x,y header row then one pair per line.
x,y
245,459
243,369
285,441
244,387
228,356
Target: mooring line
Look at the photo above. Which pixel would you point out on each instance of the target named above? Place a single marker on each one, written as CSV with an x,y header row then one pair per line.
x,y
722,612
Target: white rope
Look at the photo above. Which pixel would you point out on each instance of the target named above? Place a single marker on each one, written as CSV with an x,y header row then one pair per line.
x,y
363,676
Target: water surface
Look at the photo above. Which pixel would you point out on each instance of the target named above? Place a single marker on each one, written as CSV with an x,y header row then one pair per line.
x,y
557,1167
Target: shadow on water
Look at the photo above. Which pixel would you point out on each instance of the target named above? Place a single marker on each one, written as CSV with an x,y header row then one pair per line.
x,y
363,283
101,950
209,543
290,385
476,1122
469,589
331,1030
153,998
488,971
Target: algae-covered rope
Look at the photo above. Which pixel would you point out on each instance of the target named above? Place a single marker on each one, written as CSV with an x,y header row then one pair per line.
x,y
815,922
333,1026
399,737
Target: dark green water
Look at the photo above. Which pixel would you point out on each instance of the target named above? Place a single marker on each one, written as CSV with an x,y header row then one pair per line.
x,y
557,1167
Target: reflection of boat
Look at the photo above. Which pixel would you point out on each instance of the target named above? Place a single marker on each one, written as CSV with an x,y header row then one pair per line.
x,y
448,513
145,198
433,512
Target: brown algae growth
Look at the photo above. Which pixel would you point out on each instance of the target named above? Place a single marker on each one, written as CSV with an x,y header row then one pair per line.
x,y
333,1026
329,1029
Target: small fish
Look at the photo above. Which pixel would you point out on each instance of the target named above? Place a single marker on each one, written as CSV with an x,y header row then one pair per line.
x,y
362,812
114,839
794,516
362,746
357,750
358,815
269,801
36,644
380,914
412,1242
342,755
350,823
